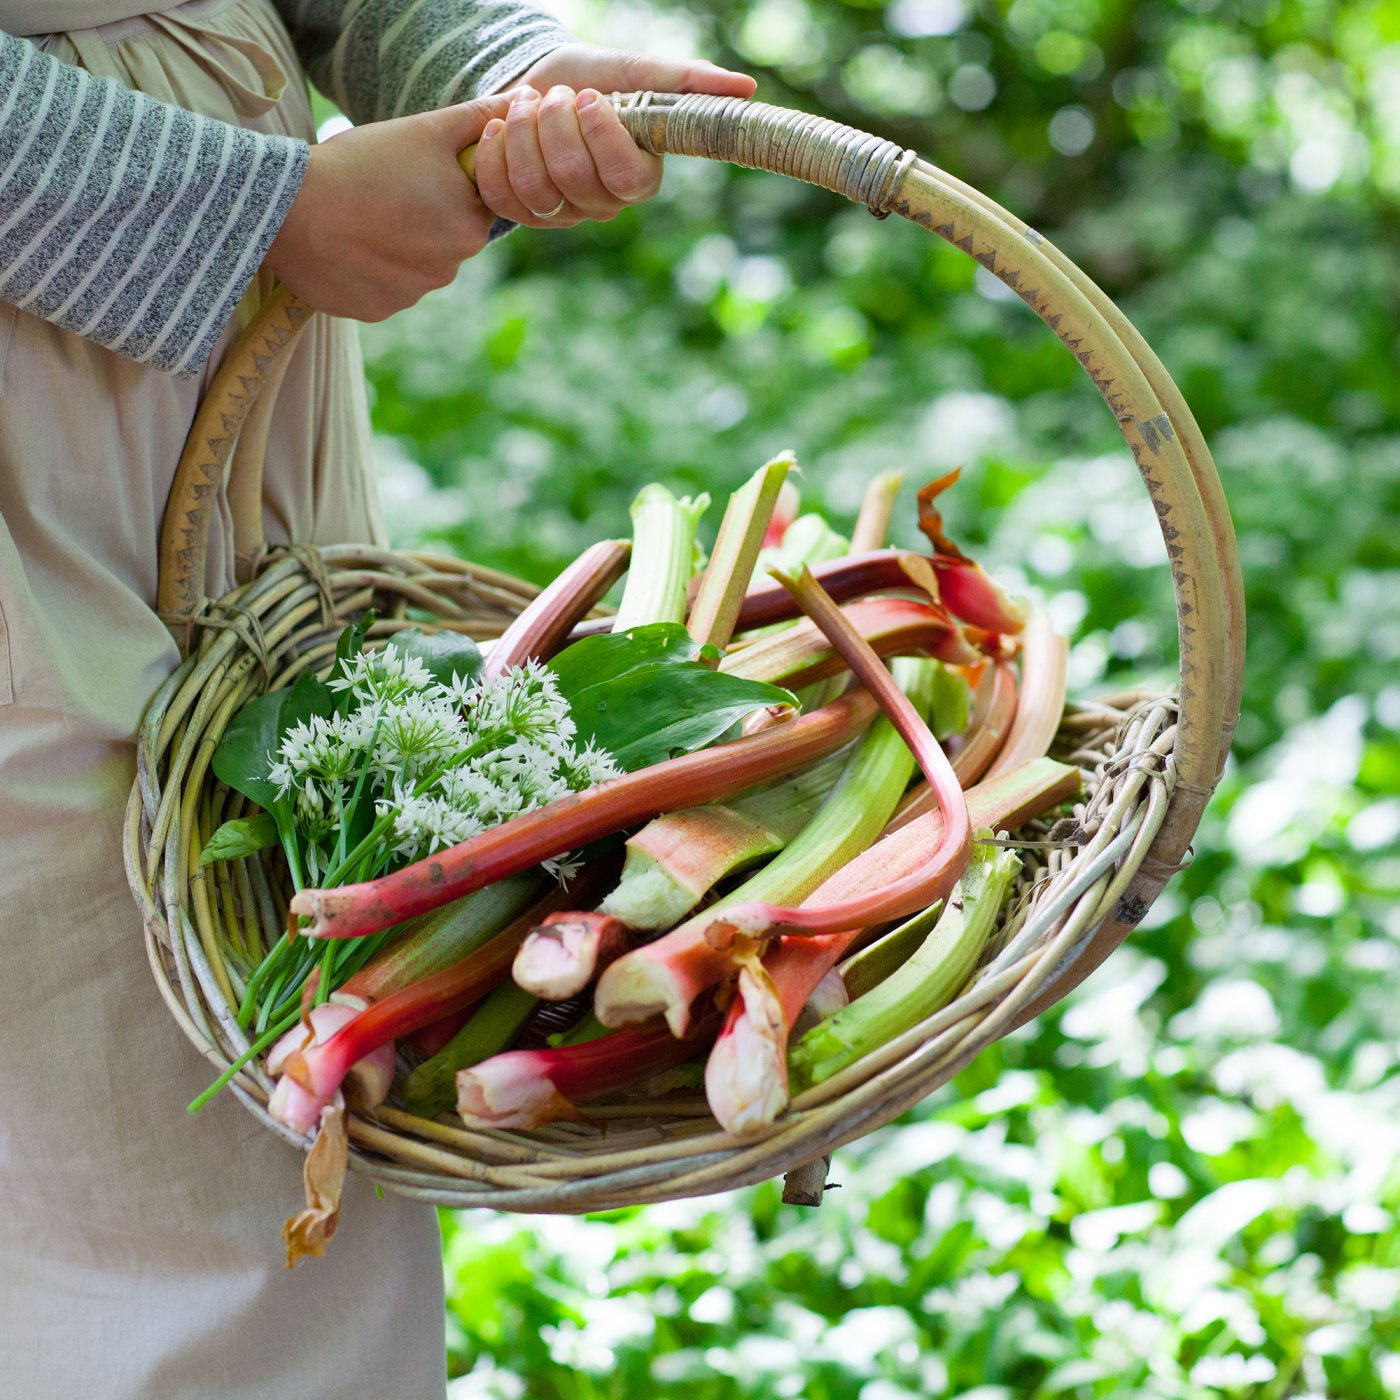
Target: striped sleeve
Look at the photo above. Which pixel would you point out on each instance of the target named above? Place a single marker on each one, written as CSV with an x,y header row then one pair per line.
x,y
388,58
126,220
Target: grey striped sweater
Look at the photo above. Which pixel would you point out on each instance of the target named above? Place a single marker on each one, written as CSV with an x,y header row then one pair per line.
x,y
139,225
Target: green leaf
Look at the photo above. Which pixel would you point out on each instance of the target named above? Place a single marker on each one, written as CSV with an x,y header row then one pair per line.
x,y
444,653
241,837
246,751
647,694
656,712
254,734
594,660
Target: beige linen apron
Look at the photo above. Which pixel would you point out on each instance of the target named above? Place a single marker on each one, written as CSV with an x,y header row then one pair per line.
x,y
139,1247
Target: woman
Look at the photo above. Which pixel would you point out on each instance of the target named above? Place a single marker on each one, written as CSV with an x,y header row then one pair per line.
x,y
149,164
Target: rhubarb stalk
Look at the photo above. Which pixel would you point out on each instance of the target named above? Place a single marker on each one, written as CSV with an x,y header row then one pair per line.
x,y
992,713
801,655
741,532
545,623
796,965
525,1088
1041,706
667,975
318,1069
926,983
947,859
350,911
560,957
663,557
673,862
439,938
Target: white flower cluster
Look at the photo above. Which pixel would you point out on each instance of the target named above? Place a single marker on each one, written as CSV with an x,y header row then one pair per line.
x,y
441,762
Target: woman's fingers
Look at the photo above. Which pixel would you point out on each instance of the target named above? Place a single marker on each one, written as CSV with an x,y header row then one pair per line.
x,y
529,174
568,158
626,172
560,159
496,182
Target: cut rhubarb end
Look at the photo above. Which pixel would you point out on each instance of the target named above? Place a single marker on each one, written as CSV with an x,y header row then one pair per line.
x,y
636,988
508,1091
560,958
746,1075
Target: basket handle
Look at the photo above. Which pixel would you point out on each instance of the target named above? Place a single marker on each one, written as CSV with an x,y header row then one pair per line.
x,y
1153,417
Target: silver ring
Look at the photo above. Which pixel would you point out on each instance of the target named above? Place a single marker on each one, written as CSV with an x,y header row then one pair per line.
x,y
552,213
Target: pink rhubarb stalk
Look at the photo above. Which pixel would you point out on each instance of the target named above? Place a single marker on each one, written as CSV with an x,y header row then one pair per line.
x,y
851,576
319,1069
992,713
561,956
711,775
545,624
1041,707
525,1088
947,859
370,1074
746,1075
802,655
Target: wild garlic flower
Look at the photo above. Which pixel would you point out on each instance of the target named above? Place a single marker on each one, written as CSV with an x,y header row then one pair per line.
x,y
440,762
382,675
417,733
319,748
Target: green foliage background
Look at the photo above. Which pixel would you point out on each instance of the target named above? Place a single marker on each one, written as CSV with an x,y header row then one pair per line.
x,y
1181,1183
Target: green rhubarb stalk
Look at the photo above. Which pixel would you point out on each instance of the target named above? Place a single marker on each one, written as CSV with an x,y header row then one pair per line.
x,y
675,860
431,1088
663,557
716,606
667,975
433,941
927,982
877,961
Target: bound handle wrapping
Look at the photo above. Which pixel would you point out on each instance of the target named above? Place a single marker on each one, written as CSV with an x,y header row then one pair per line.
x,y
1156,424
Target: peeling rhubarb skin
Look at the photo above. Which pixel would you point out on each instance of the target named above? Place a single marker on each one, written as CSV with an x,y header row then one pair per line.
x,y
967,590
545,624
713,774
970,593
526,1088
746,1079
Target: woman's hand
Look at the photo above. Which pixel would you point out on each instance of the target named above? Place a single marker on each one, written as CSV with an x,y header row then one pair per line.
x,y
560,155
385,213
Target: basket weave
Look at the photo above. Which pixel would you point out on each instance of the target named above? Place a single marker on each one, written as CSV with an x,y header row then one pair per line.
x,y
1149,762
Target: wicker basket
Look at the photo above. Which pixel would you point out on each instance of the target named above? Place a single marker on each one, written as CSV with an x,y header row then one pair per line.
x,y
1150,763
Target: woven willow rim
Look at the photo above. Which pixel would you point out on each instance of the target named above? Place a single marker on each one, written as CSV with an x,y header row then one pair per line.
x,y
203,926
1149,762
